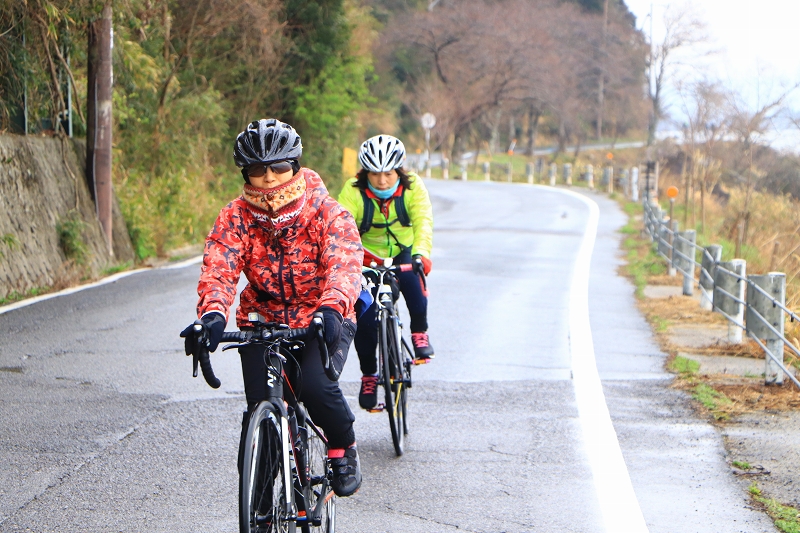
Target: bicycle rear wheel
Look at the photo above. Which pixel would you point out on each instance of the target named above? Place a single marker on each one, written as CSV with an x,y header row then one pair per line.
x,y
266,504
318,487
394,382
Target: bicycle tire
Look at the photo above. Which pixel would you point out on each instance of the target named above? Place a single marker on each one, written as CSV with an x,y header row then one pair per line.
x,y
407,358
263,494
393,379
317,452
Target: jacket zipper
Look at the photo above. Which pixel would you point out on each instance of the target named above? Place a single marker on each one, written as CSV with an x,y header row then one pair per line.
x,y
283,289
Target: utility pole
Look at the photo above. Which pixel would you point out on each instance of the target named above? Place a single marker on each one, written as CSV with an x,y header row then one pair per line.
x,y
99,119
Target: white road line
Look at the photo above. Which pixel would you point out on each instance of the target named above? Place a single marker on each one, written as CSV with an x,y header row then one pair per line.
x,y
104,281
620,508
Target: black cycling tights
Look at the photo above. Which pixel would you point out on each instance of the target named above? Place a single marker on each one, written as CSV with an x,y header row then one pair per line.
x,y
366,341
322,397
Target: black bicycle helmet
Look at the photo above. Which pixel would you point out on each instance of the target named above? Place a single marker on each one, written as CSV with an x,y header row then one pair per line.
x,y
265,141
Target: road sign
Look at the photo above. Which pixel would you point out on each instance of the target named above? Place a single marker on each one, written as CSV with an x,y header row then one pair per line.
x,y
672,192
349,162
428,121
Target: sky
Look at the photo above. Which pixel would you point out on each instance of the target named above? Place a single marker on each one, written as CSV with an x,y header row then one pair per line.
x,y
757,43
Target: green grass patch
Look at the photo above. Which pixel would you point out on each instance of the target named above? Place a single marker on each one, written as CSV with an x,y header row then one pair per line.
x,y
8,241
742,465
115,269
661,324
70,238
15,296
713,400
682,365
643,262
786,518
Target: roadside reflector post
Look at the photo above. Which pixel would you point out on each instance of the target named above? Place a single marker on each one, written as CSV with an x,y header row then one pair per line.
x,y
553,172
590,176
487,175
529,172
568,173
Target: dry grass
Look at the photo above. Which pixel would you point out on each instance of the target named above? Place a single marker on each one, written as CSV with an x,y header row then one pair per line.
x,y
723,396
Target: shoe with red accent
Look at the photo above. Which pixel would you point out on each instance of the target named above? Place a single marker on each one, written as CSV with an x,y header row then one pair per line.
x,y
346,471
422,347
368,396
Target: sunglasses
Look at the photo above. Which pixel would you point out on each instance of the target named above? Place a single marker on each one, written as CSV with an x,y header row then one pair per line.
x,y
279,167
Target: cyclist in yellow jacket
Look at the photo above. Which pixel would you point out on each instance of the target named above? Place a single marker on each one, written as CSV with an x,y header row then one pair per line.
x,y
395,218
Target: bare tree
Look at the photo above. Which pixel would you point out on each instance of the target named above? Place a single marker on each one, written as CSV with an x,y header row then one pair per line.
x,y
704,106
683,29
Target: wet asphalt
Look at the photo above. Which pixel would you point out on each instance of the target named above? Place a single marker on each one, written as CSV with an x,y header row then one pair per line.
x,y
102,427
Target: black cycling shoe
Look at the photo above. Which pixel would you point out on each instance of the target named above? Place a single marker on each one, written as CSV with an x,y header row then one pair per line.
x,y
422,346
346,473
368,395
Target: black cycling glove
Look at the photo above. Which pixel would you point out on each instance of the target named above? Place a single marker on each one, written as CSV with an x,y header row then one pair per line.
x,y
213,328
333,328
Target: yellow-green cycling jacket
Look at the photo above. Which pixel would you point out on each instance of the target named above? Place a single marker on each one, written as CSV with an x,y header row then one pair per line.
x,y
379,241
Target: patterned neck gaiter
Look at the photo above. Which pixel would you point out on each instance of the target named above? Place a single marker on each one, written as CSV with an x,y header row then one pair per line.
x,y
281,204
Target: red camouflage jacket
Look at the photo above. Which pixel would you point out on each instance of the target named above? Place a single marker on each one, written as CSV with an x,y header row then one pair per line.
x,y
315,262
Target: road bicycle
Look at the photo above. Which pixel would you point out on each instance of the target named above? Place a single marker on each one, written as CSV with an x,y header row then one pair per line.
x,y
286,477
395,356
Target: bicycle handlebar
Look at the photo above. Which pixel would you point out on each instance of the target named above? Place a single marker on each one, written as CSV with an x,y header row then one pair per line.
x,y
268,332
416,267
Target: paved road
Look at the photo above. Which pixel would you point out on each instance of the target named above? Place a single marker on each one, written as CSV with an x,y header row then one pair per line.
x,y
102,427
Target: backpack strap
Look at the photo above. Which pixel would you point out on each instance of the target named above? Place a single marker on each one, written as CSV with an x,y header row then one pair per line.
x,y
400,207
369,212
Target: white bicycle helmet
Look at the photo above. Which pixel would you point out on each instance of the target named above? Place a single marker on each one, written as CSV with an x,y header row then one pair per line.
x,y
382,153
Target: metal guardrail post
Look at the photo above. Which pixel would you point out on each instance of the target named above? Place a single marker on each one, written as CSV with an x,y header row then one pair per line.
x,y
712,255
552,175
624,182
735,287
663,237
568,173
487,171
635,184
759,304
672,270
684,260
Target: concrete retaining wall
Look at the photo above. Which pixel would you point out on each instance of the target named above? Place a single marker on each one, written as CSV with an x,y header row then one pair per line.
x,y
42,183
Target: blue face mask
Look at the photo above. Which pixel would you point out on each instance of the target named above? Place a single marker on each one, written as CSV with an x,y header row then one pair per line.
x,y
385,193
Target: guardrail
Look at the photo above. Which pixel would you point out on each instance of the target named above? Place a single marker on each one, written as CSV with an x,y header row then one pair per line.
x,y
755,304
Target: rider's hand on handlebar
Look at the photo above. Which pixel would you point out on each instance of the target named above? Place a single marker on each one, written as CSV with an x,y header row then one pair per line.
x,y
333,327
420,261
213,326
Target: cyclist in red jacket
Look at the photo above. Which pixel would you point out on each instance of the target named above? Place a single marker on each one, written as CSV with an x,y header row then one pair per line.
x,y
301,253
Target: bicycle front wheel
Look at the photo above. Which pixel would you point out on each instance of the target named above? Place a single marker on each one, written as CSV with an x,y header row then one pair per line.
x,y
266,504
319,491
394,382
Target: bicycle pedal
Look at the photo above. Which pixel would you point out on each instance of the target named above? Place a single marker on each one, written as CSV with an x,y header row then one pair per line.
x,y
423,361
377,409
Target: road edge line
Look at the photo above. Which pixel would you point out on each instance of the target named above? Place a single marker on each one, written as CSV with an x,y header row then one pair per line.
x,y
110,279
618,502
